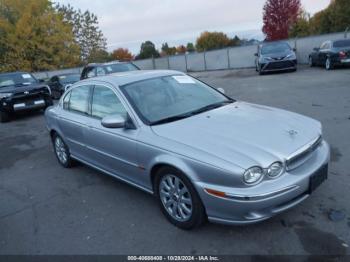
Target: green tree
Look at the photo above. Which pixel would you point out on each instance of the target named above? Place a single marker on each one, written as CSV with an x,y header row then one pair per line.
x,y
235,41
301,27
148,50
34,37
190,47
212,40
86,31
166,50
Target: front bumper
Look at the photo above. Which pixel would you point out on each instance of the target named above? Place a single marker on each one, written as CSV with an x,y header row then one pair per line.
x,y
281,65
258,203
12,105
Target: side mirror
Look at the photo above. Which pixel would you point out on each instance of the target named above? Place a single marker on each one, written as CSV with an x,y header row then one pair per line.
x,y
221,90
115,121
316,49
294,49
41,81
256,54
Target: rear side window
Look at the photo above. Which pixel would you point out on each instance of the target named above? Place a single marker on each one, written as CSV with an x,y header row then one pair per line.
x,y
79,99
105,103
341,43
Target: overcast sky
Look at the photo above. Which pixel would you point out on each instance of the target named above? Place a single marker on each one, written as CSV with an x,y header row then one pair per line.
x,y
127,23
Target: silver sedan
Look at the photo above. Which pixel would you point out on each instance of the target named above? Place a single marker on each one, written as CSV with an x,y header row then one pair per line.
x,y
202,154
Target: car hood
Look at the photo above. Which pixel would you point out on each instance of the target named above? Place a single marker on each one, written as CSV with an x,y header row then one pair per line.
x,y
21,89
243,134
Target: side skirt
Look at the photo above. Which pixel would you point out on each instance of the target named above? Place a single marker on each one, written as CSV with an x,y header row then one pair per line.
x,y
113,175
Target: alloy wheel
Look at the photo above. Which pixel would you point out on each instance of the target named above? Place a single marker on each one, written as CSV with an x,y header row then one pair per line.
x,y
311,62
328,64
176,198
60,150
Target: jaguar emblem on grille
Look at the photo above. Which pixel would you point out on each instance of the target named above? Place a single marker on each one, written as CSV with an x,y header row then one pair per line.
x,y
26,92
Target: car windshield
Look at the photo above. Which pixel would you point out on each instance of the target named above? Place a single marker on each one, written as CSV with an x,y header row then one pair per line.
x,y
122,67
69,78
19,79
341,43
170,98
275,48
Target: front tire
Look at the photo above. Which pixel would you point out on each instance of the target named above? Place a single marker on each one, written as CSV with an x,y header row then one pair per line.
x,y
62,151
311,62
4,117
178,199
329,65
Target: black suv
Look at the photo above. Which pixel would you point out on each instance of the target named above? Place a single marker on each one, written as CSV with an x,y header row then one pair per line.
x,y
21,91
93,70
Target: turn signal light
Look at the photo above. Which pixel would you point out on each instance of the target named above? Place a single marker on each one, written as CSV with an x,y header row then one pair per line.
x,y
215,193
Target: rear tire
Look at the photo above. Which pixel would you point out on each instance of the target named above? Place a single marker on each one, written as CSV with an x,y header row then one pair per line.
x,y
62,151
4,117
178,199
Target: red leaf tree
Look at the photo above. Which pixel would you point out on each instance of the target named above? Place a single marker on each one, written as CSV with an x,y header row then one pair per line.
x,y
279,16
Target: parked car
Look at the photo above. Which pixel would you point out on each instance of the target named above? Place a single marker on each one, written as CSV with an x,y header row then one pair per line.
x,y
331,54
275,56
93,70
202,154
59,83
21,91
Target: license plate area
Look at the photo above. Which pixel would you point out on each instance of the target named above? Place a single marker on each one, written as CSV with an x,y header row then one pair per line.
x,y
318,178
28,103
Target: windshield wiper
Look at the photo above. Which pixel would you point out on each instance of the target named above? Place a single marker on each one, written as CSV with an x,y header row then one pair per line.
x,y
192,113
211,107
171,119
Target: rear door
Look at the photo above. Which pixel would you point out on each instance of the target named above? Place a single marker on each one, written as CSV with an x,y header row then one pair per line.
x,y
74,118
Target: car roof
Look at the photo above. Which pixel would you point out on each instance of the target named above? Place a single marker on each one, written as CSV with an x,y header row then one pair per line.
x,y
109,63
68,74
274,42
14,73
128,77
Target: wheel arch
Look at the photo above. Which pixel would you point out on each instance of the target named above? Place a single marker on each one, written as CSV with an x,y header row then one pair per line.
x,y
172,162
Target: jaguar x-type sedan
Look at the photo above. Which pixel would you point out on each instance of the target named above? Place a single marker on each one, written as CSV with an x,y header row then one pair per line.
x,y
202,154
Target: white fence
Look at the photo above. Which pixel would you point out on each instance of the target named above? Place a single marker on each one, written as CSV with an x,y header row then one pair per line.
x,y
229,58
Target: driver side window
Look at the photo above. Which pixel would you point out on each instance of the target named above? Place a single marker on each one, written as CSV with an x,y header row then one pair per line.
x,y
105,103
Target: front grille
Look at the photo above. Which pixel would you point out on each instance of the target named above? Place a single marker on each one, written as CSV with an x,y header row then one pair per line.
x,y
279,65
299,158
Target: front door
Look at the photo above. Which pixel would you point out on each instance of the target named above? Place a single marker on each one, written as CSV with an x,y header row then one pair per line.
x,y
112,149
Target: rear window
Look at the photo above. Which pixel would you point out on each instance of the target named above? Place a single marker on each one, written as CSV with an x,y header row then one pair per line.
x,y
124,67
342,43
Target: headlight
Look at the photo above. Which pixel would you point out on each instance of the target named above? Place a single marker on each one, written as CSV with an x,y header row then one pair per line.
x,y
266,59
48,89
291,56
4,95
275,170
253,175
